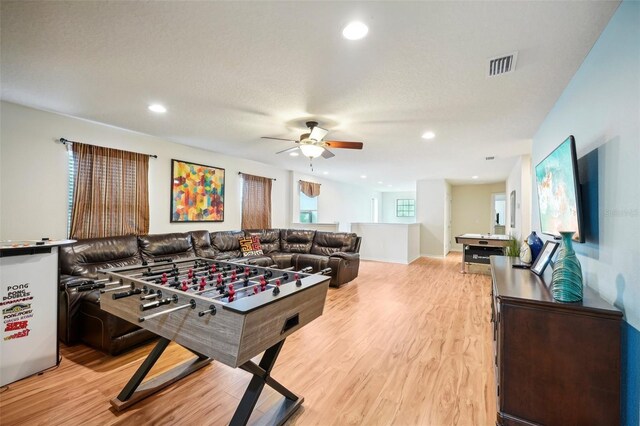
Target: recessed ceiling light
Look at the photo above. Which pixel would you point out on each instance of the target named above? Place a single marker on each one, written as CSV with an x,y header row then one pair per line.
x,y
355,31
428,135
474,177
293,154
379,182
390,186
363,176
157,108
325,173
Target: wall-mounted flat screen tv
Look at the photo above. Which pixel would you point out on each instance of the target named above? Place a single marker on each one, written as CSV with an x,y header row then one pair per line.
x,y
559,192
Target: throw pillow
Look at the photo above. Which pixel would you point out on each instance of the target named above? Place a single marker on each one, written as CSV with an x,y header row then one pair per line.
x,y
250,246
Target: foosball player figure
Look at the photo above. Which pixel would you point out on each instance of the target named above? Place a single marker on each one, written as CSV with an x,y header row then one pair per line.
x,y
298,280
231,293
276,289
176,282
203,283
184,287
163,280
263,283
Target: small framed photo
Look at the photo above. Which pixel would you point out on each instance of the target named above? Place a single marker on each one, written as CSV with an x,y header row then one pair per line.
x,y
544,257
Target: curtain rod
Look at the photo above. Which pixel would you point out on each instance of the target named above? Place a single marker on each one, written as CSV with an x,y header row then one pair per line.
x,y
64,141
309,182
240,173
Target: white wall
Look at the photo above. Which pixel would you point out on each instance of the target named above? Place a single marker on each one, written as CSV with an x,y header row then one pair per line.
x,y
601,108
448,215
389,242
520,180
338,201
388,207
471,209
431,196
34,174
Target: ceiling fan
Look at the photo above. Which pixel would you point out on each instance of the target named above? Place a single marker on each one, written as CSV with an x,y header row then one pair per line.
x,y
312,145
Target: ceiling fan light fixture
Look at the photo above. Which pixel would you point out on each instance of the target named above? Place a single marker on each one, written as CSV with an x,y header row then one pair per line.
x,y
293,154
311,151
355,30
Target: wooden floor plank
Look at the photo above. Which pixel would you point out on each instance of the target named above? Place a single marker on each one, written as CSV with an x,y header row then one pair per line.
x,y
400,345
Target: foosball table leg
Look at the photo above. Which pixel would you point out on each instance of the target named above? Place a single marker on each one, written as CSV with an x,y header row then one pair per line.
x,y
261,376
135,389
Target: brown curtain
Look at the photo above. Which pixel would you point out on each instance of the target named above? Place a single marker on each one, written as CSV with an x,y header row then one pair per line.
x,y
310,189
110,195
256,202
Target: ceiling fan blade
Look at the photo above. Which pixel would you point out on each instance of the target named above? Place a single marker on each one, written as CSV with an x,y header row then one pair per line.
x,y
327,154
278,139
344,144
288,150
317,133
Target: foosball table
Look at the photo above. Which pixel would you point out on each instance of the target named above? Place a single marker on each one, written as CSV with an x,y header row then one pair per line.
x,y
224,311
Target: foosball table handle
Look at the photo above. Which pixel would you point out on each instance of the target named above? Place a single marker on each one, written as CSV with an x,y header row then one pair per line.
x,y
211,310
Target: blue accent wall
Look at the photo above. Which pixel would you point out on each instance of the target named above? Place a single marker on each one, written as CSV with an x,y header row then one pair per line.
x,y
630,376
601,107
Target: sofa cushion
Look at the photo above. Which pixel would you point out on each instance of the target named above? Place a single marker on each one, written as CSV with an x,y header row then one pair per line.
x,y
296,240
166,246
317,262
227,243
269,239
202,244
325,243
87,256
283,260
250,246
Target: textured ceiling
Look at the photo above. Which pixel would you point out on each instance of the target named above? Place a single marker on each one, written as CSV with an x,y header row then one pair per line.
x,y
230,72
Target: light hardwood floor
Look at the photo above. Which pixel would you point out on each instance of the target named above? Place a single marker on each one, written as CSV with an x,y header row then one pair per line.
x,y
402,344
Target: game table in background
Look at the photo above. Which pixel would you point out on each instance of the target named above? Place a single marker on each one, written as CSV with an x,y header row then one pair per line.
x,y
477,248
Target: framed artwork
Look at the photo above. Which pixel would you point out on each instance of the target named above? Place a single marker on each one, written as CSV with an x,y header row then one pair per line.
x,y
513,208
197,192
544,257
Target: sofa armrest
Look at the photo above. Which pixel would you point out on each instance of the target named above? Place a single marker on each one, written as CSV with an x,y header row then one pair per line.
x,y
71,281
69,327
344,267
345,255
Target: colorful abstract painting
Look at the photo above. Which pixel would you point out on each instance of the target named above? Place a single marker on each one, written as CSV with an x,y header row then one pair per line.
x,y
197,192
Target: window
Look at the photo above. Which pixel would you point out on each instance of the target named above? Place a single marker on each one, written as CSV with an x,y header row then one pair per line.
x,y
256,202
308,209
108,192
405,208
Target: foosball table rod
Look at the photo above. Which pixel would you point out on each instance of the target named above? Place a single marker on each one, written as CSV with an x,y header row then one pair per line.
x,y
191,304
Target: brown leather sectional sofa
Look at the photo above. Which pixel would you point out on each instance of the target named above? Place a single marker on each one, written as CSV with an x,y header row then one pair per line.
x,y
82,320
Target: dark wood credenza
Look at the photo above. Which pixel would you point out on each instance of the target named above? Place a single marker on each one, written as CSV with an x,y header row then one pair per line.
x,y
556,363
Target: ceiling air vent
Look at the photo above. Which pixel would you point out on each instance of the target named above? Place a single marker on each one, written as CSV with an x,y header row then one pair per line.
x,y
489,158
502,64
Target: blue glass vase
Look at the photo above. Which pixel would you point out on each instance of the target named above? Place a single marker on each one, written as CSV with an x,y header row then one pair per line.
x,y
535,244
566,279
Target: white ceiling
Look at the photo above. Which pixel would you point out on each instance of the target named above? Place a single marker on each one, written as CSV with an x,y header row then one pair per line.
x,y
230,72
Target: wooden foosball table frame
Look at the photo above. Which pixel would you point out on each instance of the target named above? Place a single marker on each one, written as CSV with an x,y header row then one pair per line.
x,y
199,316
